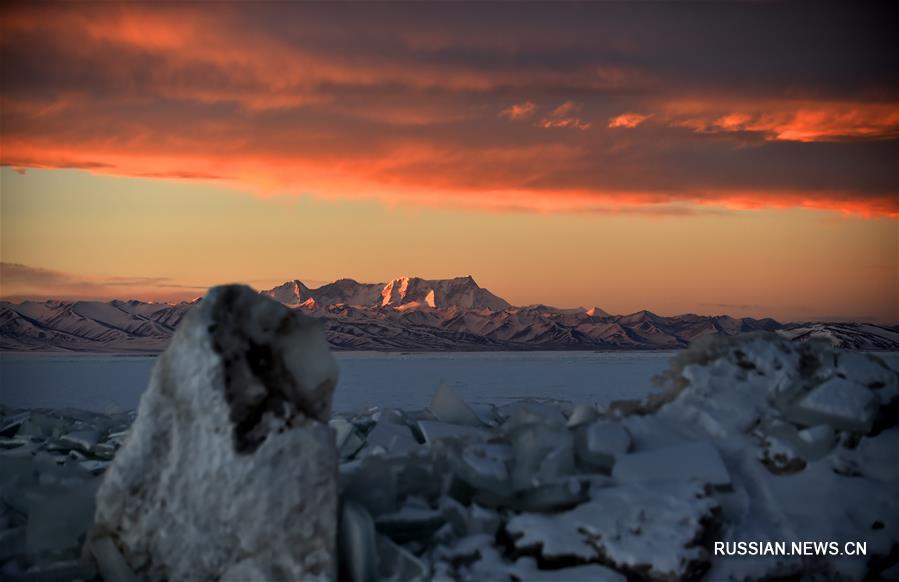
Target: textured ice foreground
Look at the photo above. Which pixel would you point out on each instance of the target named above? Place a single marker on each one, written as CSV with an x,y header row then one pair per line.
x,y
755,439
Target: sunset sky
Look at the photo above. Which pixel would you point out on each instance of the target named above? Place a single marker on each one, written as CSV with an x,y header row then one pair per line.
x,y
690,157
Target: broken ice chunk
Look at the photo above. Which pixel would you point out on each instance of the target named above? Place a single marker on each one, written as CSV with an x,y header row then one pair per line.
x,y
599,443
415,520
866,370
485,467
12,542
110,562
643,528
582,414
841,403
541,455
561,494
817,441
526,569
696,461
347,437
446,406
486,412
104,451
82,440
12,442
371,482
482,520
455,514
42,426
398,563
56,523
356,544
394,438
434,431
12,423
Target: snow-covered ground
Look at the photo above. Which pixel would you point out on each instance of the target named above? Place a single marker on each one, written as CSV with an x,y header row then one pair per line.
x,y
105,383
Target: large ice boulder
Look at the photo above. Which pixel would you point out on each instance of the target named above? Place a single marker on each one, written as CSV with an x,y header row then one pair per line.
x,y
230,470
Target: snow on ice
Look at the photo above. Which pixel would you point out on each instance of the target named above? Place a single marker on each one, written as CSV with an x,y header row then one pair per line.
x,y
755,438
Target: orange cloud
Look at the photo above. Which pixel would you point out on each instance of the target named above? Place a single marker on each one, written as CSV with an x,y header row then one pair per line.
x,y
565,116
791,121
407,113
629,120
519,110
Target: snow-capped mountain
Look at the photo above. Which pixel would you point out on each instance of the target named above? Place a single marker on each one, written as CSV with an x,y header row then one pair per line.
x,y
402,292
407,314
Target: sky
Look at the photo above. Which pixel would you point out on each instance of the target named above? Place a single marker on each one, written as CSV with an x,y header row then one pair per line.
x,y
738,158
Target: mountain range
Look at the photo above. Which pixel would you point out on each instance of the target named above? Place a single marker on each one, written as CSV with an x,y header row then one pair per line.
x,y
407,314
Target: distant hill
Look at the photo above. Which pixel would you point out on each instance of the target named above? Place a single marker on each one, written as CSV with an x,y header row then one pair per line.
x,y
407,314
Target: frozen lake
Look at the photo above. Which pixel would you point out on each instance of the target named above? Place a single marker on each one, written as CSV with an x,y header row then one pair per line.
x,y
105,383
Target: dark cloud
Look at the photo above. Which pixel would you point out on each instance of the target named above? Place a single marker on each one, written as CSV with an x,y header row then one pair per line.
x,y
743,104
23,281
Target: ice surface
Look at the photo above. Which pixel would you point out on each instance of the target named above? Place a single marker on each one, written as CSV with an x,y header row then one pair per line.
x,y
405,381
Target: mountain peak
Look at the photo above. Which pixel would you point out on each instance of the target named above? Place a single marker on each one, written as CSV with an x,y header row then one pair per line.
x,y
402,292
290,293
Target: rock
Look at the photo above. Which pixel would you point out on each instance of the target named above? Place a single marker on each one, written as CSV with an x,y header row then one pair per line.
x,y
598,444
230,469
841,403
446,406
696,461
